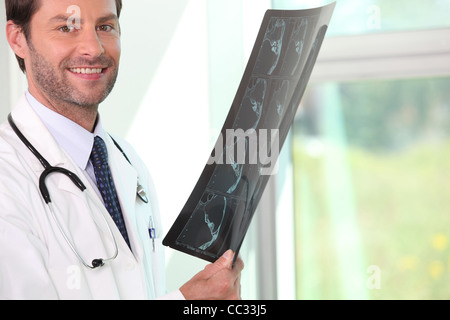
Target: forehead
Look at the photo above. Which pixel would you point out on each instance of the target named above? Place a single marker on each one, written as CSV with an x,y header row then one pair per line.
x,y
87,9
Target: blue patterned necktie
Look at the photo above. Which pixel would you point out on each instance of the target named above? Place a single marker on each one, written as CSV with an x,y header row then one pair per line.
x,y
105,184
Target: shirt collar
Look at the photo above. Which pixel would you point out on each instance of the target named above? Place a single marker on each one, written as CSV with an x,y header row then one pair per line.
x,y
73,138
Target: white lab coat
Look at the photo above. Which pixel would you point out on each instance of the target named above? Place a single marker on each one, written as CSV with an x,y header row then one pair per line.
x,y
35,260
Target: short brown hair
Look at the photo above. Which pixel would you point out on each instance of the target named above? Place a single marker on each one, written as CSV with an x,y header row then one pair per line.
x,y
21,11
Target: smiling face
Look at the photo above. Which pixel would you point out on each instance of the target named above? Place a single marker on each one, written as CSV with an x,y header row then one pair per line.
x,y
73,52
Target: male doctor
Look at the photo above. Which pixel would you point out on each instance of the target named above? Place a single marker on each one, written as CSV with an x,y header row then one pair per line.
x,y
91,244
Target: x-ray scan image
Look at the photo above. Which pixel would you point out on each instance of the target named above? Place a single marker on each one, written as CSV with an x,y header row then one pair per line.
x,y
221,206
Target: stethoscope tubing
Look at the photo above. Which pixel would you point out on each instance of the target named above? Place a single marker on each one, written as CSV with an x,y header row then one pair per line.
x,y
48,169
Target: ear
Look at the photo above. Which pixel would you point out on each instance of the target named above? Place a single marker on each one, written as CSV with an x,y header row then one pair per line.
x,y
16,39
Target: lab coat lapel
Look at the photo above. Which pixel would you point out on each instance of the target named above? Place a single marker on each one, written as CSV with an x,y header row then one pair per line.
x,y
37,134
125,180
124,175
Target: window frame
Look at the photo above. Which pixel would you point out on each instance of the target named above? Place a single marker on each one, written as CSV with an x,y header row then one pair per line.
x,y
408,54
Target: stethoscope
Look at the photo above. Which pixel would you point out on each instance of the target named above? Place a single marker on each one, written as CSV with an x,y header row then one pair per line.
x,y
48,169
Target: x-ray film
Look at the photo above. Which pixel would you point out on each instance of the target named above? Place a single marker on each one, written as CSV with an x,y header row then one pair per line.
x,y
218,213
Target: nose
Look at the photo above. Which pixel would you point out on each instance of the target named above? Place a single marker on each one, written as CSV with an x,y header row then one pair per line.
x,y
90,44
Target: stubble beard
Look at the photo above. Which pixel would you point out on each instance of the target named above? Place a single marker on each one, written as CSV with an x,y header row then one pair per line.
x,y
53,82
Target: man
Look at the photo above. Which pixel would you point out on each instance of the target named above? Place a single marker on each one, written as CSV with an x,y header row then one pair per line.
x,y
91,244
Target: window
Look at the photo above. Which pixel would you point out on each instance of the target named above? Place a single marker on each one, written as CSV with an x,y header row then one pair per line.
x,y
370,153
371,162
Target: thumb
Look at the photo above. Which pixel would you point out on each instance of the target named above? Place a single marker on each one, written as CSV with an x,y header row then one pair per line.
x,y
224,262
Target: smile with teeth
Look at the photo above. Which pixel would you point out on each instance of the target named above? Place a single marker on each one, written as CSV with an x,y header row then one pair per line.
x,y
86,70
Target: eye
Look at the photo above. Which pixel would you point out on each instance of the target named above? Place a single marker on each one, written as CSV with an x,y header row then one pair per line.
x,y
105,28
67,29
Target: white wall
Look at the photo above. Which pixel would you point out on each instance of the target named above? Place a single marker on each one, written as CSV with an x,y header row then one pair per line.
x,y
170,129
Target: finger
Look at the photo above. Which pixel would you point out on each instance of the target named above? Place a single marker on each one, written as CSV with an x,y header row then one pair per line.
x,y
238,265
235,274
224,262
237,284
